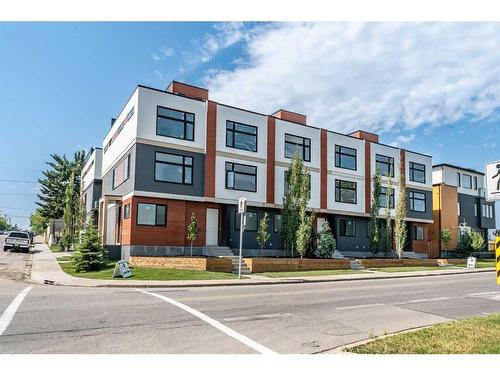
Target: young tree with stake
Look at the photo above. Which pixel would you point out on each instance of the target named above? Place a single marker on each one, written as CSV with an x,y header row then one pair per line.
x,y
373,229
262,235
193,229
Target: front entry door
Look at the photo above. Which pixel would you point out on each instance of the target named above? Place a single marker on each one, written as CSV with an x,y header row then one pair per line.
x,y
212,226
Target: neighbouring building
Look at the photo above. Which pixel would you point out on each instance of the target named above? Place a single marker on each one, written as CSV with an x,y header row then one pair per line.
x,y
173,152
459,203
91,183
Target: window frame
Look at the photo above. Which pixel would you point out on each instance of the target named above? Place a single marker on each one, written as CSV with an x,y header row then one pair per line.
x,y
412,199
126,211
183,165
126,171
338,151
415,232
274,223
467,177
156,215
237,221
459,208
338,198
185,122
392,203
389,163
304,146
233,130
248,174
345,227
412,170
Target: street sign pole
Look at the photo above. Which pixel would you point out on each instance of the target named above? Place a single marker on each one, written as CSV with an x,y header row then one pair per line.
x,y
242,208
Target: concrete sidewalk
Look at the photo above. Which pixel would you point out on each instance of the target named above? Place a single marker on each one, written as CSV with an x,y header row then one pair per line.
x,y
46,270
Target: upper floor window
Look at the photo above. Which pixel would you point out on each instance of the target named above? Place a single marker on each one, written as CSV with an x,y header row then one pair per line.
x,y
475,209
297,145
173,168
467,181
175,124
345,157
347,228
459,178
251,221
475,182
345,192
487,211
241,136
241,177
121,173
385,165
286,182
417,172
417,201
383,197
151,214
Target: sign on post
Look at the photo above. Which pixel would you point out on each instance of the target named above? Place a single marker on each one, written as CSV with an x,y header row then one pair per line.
x,y
492,172
121,269
242,208
471,262
242,205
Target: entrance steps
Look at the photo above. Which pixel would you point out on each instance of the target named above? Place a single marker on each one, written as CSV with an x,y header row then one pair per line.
x,y
244,268
220,251
355,265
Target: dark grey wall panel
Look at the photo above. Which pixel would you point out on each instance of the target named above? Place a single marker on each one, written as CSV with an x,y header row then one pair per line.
x,y
428,215
145,172
486,222
127,186
467,210
360,242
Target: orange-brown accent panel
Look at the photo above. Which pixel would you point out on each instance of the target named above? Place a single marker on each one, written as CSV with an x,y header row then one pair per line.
x,y
271,134
210,150
368,177
367,136
291,116
324,169
421,246
188,90
126,223
444,205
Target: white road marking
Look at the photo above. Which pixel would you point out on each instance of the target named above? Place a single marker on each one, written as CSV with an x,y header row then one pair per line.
x,y
256,317
11,310
424,300
482,293
358,306
214,323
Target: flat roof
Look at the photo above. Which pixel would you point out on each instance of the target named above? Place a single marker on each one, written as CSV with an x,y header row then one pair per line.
x,y
457,167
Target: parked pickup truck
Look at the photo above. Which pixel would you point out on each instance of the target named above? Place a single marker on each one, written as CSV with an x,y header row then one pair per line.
x,y
17,241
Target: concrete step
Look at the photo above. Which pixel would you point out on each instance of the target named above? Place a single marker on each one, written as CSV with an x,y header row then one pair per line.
x,y
355,265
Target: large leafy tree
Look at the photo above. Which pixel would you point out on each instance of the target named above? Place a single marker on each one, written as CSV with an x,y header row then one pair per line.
x,y
71,212
294,204
4,225
388,221
400,221
373,229
38,223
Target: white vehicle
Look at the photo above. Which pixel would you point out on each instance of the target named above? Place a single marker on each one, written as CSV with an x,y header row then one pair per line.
x,y
17,241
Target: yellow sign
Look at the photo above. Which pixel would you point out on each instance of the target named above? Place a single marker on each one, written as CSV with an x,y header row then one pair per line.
x,y
497,255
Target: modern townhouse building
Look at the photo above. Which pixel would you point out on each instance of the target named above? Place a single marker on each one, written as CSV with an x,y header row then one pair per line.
x,y
91,183
173,152
459,202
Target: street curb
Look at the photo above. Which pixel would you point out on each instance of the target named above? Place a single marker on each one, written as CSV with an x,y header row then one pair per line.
x,y
278,282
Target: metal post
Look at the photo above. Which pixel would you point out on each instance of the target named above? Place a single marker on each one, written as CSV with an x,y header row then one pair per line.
x,y
241,244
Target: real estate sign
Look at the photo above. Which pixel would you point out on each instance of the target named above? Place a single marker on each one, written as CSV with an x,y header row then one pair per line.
x,y
492,172
121,269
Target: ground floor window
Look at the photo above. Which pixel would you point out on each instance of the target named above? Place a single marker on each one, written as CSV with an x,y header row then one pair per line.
x,y
277,223
418,232
347,228
151,214
126,211
251,221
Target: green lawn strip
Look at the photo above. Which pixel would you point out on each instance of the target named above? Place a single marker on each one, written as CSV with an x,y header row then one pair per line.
x,y
149,273
64,258
469,336
408,269
56,248
308,273
482,264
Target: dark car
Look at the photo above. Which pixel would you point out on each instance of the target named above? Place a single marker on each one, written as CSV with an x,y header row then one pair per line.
x,y
17,241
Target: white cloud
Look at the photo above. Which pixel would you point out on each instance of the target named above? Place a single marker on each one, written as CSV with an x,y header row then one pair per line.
x,y
163,53
490,145
405,138
374,76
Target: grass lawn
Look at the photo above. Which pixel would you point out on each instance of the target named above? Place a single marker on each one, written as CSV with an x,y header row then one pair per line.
x,y
56,248
149,273
469,336
407,269
64,258
485,263
308,273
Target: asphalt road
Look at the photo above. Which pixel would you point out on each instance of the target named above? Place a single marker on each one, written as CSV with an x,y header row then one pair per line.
x,y
297,318
14,265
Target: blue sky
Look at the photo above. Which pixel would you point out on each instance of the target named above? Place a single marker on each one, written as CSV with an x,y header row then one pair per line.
x,y
432,88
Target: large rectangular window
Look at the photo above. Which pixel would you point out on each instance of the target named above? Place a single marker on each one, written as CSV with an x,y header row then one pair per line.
x,y
385,165
251,221
241,177
383,197
297,145
347,228
241,136
173,168
345,157
151,214
417,201
121,173
417,232
345,191
417,172
285,189
466,181
174,123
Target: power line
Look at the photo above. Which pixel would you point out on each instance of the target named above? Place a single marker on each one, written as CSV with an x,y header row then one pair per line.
x,y
13,208
20,181
18,194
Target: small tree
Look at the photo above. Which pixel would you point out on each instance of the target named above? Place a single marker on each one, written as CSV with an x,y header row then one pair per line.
x,y
326,242
373,229
90,255
464,244
400,223
477,241
262,235
445,236
388,221
304,233
192,230
38,223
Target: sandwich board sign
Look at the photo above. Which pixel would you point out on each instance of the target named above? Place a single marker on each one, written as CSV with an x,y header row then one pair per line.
x,y
471,262
492,181
121,269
